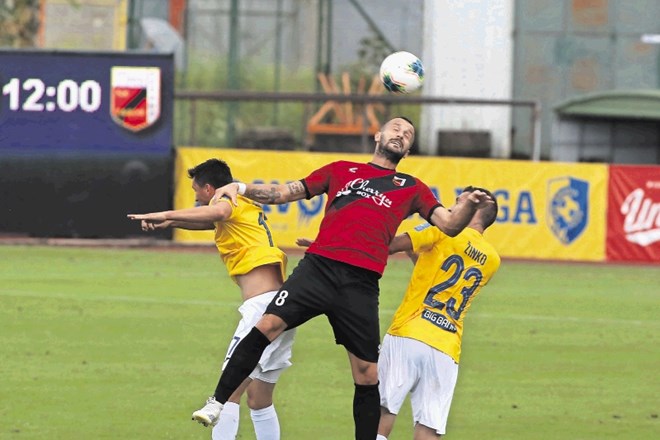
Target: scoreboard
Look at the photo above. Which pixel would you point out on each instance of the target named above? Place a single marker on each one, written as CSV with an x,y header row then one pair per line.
x,y
81,101
85,138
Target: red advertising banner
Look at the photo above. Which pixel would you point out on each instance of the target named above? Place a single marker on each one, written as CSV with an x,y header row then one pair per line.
x,y
633,214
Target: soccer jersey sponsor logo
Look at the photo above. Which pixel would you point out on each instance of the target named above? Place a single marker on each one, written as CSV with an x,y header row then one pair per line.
x,y
420,227
361,188
567,208
439,320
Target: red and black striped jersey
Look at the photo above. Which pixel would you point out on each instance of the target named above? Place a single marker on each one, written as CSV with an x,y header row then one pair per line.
x,y
366,204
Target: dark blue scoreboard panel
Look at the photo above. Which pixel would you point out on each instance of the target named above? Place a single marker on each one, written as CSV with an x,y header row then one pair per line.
x,y
84,138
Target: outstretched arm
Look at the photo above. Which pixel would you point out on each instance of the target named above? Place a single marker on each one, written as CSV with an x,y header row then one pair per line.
x,y
268,194
192,226
403,243
201,217
454,221
400,243
149,225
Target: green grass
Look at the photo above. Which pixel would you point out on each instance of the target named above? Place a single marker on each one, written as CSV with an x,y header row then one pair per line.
x,y
125,344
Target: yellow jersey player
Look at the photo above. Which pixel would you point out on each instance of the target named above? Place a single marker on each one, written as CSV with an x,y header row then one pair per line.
x,y
258,266
339,274
422,347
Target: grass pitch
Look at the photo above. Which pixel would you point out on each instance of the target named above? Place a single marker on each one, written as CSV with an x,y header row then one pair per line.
x,y
125,344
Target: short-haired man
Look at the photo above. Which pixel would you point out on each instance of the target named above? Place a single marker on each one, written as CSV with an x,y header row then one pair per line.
x,y
340,272
258,266
422,347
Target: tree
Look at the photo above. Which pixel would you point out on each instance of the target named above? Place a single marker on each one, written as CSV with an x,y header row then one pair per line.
x,y
19,23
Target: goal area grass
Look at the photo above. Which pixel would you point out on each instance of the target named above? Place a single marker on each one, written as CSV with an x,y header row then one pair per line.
x,y
127,343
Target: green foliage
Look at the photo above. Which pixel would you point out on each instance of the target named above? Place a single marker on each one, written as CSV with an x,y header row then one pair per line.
x,y
205,123
372,51
19,23
109,344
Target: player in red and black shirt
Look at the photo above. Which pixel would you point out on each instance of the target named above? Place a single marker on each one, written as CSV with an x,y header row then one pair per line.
x,y
339,274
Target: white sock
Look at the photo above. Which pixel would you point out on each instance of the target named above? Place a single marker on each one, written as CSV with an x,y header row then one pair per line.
x,y
227,426
381,437
266,424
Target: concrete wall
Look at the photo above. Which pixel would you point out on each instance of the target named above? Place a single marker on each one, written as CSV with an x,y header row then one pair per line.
x,y
468,54
567,48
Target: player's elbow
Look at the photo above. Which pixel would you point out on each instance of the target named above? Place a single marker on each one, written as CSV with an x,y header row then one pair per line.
x,y
451,229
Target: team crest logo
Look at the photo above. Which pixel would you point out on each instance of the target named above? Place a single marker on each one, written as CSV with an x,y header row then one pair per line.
x,y
398,181
568,208
135,96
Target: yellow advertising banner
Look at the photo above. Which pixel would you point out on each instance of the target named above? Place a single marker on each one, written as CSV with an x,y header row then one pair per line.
x,y
553,211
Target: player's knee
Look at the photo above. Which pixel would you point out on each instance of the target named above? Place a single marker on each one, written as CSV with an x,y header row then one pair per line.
x,y
260,394
365,373
271,326
258,402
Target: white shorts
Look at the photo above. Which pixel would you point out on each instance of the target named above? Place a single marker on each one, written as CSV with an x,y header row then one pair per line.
x,y
409,366
276,357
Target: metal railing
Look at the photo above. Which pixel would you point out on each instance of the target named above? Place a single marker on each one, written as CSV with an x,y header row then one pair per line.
x,y
245,96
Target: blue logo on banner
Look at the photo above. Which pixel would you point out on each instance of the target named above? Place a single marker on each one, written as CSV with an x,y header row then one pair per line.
x,y
568,207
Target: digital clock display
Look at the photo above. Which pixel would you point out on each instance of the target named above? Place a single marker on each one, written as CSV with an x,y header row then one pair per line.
x,y
32,95
63,101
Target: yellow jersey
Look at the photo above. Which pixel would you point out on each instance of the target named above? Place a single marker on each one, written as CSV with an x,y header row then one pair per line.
x,y
448,275
244,240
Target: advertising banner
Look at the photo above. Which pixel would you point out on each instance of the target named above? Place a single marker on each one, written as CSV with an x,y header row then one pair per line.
x,y
546,210
633,219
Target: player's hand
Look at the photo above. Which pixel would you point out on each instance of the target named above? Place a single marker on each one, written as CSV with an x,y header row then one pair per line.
x,y
147,226
304,242
150,217
479,198
230,190
153,226
151,221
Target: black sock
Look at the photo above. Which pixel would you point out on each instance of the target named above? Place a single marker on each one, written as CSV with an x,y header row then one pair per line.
x,y
244,359
366,411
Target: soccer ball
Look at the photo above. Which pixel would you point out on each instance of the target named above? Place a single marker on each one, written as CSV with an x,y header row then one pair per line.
x,y
402,72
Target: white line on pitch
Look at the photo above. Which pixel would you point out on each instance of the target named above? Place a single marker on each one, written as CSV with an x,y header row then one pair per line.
x,y
121,298
234,304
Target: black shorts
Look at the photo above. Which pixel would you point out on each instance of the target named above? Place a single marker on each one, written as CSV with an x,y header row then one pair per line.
x,y
346,294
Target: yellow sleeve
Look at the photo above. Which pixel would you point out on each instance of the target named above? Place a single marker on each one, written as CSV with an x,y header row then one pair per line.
x,y
424,236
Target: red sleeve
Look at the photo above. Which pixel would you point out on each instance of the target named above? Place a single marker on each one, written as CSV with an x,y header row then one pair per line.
x,y
427,203
318,181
